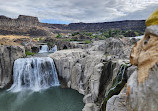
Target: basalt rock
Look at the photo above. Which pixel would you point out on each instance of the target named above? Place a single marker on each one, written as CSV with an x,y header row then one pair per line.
x,y
90,71
21,21
8,54
93,27
24,22
23,25
141,91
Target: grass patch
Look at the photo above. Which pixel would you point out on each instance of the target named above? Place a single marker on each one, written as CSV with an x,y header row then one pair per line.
x,y
87,41
35,39
40,39
29,53
59,36
49,44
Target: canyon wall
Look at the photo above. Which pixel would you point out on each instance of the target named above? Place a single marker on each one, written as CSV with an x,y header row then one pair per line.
x,y
21,21
141,91
91,71
25,24
122,25
8,54
135,25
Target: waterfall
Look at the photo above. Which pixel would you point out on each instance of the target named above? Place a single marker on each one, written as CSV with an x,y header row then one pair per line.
x,y
34,74
44,49
54,49
118,83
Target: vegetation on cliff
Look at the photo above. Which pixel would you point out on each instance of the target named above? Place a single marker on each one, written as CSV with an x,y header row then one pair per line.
x,y
118,83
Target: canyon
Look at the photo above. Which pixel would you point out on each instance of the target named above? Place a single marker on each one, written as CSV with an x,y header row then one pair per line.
x,y
102,72
115,74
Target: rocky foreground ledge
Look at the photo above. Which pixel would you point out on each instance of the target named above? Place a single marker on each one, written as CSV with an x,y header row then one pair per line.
x,y
141,90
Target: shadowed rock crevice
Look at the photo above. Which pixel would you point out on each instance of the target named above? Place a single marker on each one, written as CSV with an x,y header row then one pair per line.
x,y
118,83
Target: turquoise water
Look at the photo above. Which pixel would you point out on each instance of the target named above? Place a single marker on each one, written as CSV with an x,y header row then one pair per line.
x,y
52,99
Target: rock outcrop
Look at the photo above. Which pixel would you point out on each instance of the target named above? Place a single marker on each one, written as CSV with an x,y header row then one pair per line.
x,y
7,56
145,55
91,71
21,21
141,91
23,25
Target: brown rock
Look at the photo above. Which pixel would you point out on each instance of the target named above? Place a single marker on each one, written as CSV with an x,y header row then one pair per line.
x,y
145,55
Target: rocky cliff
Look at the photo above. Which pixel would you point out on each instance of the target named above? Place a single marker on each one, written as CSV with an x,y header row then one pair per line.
x,y
141,91
21,21
8,54
135,25
122,25
26,24
23,25
91,71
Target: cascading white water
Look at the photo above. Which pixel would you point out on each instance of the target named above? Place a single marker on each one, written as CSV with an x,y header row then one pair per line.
x,y
34,74
44,49
54,49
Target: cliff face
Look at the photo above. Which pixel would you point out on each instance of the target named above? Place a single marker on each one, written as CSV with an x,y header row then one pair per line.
x,y
122,25
90,71
141,90
23,24
138,25
8,54
21,21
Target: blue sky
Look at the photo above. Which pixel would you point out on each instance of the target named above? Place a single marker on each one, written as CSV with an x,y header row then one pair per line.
x,y
53,21
72,11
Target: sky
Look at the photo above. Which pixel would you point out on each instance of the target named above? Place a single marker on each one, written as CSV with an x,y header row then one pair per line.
x,y
73,11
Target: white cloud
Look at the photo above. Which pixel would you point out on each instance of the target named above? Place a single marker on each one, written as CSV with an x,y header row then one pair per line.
x,y
79,10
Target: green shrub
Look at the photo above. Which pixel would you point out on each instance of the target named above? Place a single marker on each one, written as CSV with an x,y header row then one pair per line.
x,y
118,83
76,33
88,33
101,37
87,41
29,53
59,36
40,39
49,44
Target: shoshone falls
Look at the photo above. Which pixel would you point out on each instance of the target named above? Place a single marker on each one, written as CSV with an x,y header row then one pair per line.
x,y
36,88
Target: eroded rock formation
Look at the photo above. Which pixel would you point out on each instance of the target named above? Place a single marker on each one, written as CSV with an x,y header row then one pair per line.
x,y
141,91
91,71
23,25
7,56
21,21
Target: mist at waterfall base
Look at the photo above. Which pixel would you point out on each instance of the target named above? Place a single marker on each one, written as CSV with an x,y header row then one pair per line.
x,y
36,88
